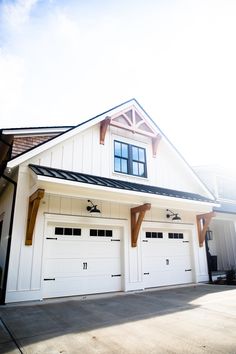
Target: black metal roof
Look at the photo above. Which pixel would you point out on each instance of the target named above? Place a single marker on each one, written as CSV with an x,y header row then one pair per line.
x,y
114,183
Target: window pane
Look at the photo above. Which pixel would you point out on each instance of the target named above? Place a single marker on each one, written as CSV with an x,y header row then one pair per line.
x,y
148,235
135,168
109,233
93,232
68,231
125,150
58,230
124,166
101,232
117,148
141,155
77,232
117,164
141,169
135,153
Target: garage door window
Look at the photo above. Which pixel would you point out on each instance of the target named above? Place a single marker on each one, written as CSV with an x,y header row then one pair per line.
x,y
67,231
176,235
154,235
100,233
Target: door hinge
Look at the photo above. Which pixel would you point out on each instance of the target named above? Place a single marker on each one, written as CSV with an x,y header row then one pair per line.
x,y
49,279
51,238
188,270
115,275
146,273
145,240
185,241
115,240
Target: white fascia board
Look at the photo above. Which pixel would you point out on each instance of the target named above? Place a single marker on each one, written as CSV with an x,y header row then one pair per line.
x,y
49,144
35,131
146,196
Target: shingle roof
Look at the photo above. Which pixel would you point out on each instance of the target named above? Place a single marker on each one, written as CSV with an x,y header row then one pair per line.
x,y
114,183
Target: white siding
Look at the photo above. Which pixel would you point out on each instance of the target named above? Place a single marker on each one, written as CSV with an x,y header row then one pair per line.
x,y
5,216
83,153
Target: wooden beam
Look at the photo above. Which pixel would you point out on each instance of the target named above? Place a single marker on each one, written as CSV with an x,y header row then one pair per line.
x,y
34,202
103,129
203,221
136,222
155,142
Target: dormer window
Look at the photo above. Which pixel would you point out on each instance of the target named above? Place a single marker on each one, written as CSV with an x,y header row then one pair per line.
x,y
129,159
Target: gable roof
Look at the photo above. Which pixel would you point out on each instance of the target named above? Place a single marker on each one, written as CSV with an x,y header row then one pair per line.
x,y
92,121
114,183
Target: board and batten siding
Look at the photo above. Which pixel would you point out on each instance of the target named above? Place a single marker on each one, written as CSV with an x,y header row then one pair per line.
x,y
83,153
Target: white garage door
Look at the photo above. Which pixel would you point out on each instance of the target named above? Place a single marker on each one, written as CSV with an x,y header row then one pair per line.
x,y
166,258
81,260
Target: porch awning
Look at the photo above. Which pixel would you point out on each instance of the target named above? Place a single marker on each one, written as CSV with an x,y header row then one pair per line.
x,y
105,182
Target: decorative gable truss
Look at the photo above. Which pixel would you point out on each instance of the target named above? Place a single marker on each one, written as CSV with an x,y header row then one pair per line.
x,y
133,121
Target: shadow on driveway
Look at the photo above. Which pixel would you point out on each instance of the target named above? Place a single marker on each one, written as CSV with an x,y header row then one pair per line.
x,y
30,324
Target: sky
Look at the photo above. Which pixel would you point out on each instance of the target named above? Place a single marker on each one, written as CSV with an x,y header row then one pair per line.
x,y
62,62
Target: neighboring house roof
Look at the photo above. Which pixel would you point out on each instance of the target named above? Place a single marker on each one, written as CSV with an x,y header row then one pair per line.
x,y
114,183
25,139
228,208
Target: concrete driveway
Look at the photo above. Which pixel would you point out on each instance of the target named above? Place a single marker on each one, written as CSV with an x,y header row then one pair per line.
x,y
199,319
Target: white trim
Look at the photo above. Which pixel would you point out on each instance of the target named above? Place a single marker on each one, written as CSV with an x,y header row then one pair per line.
x,y
148,196
35,131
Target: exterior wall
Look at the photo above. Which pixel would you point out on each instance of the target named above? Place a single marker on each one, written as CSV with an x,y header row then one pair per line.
x,y
25,269
5,215
84,153
224,243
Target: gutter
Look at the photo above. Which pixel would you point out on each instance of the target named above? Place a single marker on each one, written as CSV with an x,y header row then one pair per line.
x,y
6,267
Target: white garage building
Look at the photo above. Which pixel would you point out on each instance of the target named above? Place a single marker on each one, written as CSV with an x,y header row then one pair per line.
x,y
108,205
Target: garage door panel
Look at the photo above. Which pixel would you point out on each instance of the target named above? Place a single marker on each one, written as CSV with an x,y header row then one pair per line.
x,y
81,285
81,267
74,249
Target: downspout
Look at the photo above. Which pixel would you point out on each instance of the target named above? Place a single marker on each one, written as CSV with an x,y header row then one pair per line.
x,y
7,259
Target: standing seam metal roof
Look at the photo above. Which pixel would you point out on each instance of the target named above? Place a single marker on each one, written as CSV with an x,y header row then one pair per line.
x,y
114,183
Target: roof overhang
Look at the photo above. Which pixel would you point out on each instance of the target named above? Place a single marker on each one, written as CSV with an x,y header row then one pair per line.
x,y
76,189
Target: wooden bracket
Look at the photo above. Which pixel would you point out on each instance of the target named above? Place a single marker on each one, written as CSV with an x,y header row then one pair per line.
x,y
203,222
103,129
137,222
155,142
34,201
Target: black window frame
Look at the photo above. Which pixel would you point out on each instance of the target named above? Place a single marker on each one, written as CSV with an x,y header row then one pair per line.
x,y
130,159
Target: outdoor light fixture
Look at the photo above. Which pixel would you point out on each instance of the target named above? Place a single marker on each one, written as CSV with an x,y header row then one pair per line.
x,y
171,214
209,235
93,208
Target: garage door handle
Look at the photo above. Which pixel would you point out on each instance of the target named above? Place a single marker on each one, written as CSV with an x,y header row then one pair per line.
x,y
146,273
48,279
116,275
51,238
188,270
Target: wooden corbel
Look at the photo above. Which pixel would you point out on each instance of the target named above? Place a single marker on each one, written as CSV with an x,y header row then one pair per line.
x,y
34,201
155,142
137,222
203,222
103,129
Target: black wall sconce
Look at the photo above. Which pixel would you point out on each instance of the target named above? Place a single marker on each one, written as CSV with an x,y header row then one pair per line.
x,y
171,214
209,235
92,208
